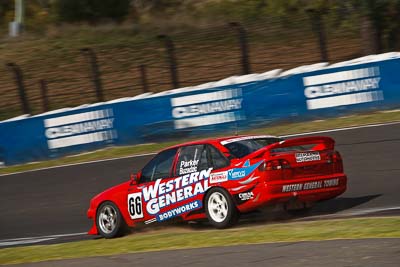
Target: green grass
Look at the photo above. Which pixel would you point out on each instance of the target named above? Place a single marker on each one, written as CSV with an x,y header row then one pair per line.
x,y
179,238
282,129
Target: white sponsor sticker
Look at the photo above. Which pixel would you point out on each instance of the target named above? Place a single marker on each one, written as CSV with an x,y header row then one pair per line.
x,y
307,156
246,196
218,177
135,206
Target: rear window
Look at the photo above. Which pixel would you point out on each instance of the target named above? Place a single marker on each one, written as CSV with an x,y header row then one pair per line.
x,y
242,148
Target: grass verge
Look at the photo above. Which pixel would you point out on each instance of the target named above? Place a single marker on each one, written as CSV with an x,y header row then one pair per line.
x,y
380,227
283,129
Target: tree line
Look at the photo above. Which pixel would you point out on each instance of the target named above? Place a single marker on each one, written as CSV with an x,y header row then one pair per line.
x,y
377,20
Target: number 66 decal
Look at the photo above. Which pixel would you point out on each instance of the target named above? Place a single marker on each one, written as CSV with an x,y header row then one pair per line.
x,y
135,205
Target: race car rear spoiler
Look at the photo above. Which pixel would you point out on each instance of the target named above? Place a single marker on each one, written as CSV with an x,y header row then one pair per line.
x,y
319,142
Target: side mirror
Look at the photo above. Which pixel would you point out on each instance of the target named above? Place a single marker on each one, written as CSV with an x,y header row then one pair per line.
x,y
135,178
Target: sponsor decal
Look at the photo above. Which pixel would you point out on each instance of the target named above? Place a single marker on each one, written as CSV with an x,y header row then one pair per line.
x,y
162,194
207,108
246,196
82,128
310,185
135,207
247,169
162,216
307,156
218,177
343,88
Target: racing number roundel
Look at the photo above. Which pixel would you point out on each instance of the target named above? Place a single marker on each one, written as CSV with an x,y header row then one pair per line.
x,y
135,207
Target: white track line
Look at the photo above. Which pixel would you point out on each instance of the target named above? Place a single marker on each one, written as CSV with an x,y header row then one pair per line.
x,y
344,129
33,240
149,154
357,212
370,210
38,239
80,163
24,242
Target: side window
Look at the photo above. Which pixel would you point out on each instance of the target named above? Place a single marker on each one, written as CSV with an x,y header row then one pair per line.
x,y
191,159
159,167
217,158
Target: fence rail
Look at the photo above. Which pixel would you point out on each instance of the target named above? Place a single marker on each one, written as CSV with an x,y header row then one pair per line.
x,y
103,72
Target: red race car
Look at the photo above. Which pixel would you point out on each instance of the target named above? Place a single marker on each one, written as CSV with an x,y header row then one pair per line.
x,y
219,179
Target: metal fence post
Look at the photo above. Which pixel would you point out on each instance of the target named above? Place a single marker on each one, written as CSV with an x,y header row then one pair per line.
x,y
43,92
143,76
171,58
95,72
319,28
242,36
19,80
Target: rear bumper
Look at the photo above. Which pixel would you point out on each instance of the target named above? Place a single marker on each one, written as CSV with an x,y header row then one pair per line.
x,y
304,190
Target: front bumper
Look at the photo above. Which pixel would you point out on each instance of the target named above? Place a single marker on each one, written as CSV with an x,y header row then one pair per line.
x,y
91,214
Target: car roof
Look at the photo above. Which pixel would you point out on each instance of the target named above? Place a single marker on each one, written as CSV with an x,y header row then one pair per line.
x,y
219,140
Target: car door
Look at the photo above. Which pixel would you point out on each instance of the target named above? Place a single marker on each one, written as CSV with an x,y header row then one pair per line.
x,y
183,192
140,195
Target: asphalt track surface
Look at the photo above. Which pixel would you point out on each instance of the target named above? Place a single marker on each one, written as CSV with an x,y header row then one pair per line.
x,y
333,253
54,201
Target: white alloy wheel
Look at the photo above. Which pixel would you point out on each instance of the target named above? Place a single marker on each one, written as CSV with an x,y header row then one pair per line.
x,y
107,219
218,207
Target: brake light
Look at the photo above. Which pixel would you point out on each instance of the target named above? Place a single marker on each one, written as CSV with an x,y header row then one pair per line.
x,y
334,157
273,165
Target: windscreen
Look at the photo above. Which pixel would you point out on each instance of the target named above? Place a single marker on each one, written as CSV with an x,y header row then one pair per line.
x,y
242,148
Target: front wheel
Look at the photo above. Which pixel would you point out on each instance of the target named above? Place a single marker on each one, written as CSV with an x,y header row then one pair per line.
x,y
220,209
109,220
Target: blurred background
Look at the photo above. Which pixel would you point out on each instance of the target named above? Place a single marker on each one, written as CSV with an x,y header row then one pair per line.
x,y
64,53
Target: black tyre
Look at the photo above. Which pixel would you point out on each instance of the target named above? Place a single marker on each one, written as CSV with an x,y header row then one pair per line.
x,y
109,220
220,209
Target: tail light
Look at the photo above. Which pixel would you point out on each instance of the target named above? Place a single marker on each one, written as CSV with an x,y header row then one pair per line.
x,y
336,159
273,165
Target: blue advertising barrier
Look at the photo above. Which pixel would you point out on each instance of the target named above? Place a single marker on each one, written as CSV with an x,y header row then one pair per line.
x,y
315,91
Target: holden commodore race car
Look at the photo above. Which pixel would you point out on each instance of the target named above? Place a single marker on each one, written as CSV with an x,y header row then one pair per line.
x,y
218,179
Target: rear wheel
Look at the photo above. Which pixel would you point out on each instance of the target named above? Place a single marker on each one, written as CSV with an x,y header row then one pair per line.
x,y
109,220
220,209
